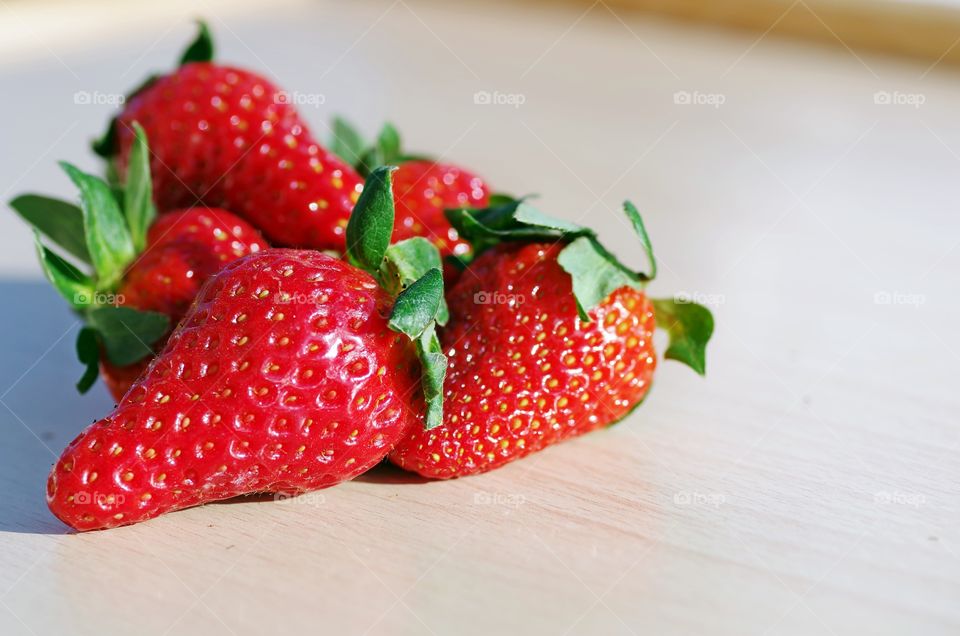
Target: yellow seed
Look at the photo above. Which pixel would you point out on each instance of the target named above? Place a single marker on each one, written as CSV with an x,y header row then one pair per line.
x,y
128,476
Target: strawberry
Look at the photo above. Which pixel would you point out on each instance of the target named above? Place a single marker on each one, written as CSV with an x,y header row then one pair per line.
x,y
146,272
183,249
546,341
226,137
292,371
423,188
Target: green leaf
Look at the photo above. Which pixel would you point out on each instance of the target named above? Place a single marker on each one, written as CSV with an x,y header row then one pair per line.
x,y
595,273
417,306
530,217
104,145
60,221
201,49
388,144
138,190
408,260
690,326
347,142
386,150
108,240
75,286
88,352
637,221
511,220
127,334
433,366
371,222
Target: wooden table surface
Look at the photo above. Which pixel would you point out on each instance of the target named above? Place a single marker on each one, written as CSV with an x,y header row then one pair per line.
x,y
809,485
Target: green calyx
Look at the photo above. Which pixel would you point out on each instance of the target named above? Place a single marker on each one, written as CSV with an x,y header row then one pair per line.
x,y
349,144
201,49
411,270
595,272
98,241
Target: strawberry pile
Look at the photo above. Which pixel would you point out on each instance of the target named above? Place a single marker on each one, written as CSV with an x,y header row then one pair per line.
x,y
276,317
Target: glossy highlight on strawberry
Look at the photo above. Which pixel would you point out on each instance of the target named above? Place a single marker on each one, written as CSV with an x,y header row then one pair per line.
x,y
424,190
284,377
524,370
223,136
184,248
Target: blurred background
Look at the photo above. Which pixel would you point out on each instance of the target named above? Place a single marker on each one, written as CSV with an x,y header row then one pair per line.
x,y
797,166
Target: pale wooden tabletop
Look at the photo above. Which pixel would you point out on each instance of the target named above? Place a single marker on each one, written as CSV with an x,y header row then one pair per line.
x,y
809,485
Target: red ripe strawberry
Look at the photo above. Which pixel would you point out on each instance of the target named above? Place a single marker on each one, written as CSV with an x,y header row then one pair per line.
x,y
423,189
184,248
145,273
287,374
226,137
285,377
526,370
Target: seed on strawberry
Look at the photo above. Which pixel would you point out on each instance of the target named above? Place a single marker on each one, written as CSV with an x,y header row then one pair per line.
x,y
292,371
226,137
546,341
152,268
